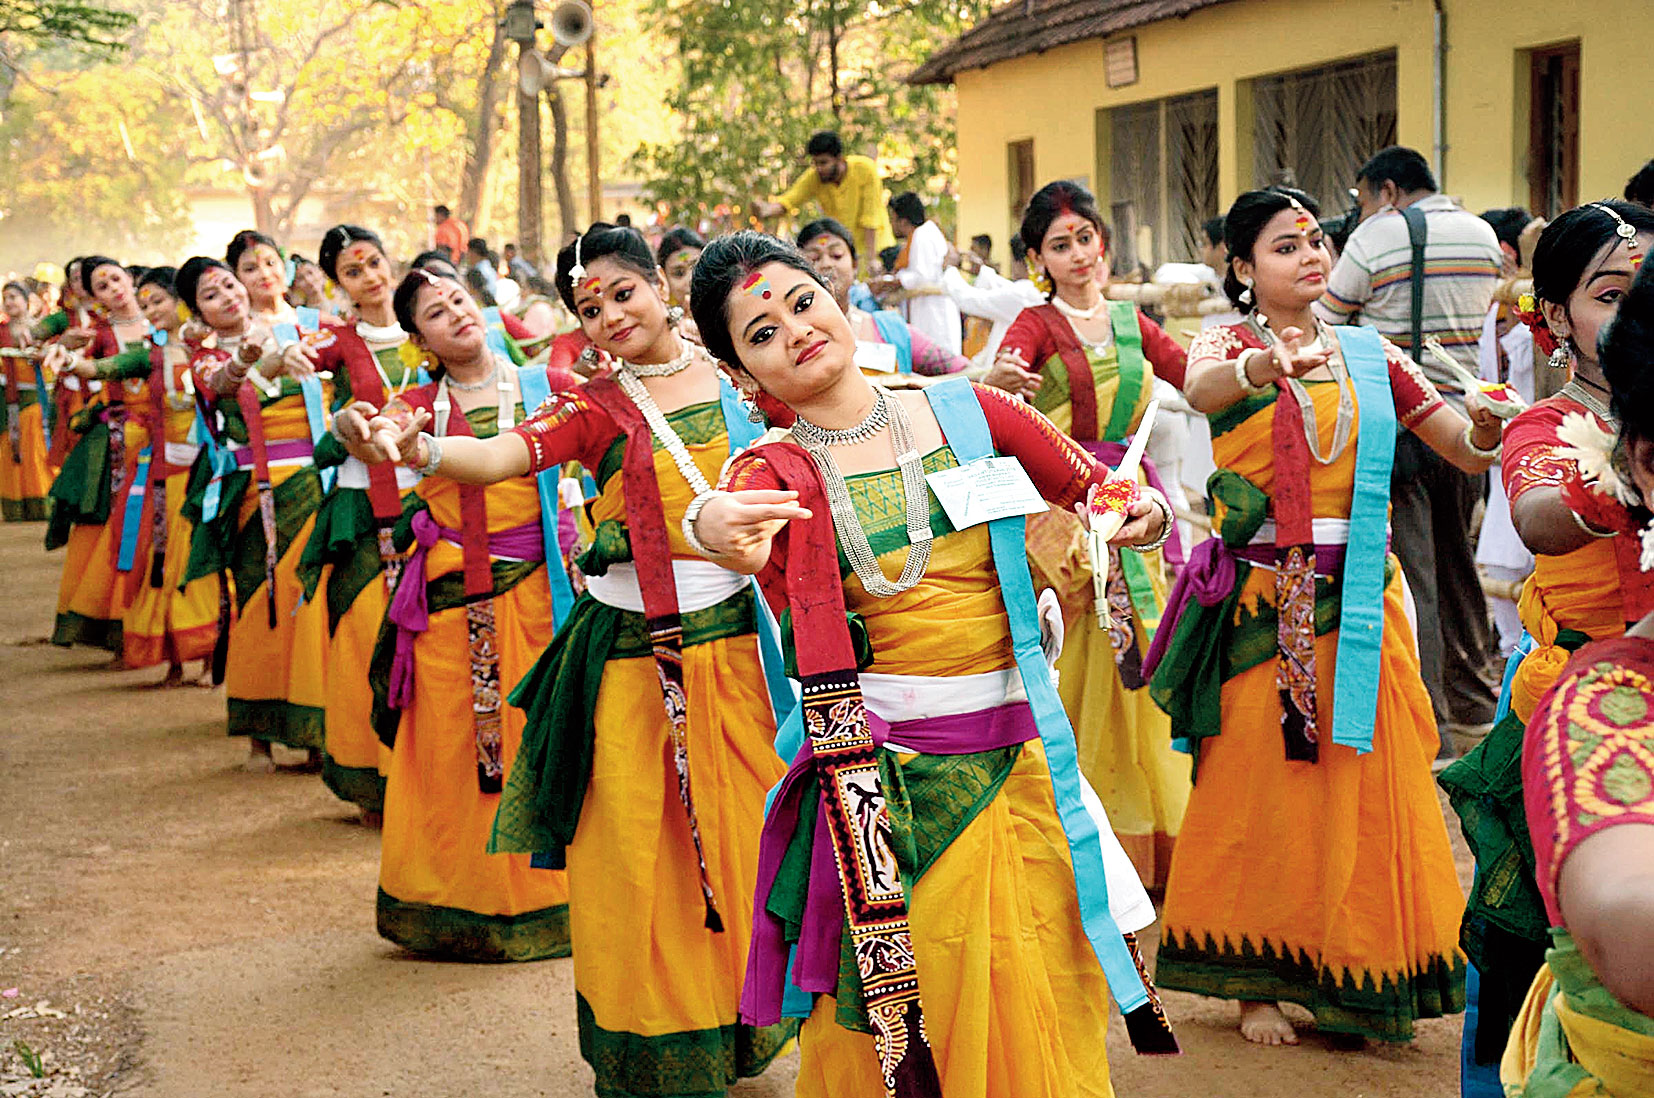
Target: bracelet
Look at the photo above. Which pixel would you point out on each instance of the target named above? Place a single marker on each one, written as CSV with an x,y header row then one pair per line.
x,y
692,513
433,455
1244,381
1579,520
1470,444
1168,523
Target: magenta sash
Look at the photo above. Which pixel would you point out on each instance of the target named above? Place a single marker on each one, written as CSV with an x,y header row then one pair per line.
x,y
277,451
410,611
816,968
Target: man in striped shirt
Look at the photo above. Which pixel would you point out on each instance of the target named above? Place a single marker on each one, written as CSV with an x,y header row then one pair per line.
x,y
1432,501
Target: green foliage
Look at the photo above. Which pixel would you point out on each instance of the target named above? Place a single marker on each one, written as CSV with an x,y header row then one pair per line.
x,y
32,1062
92,28
758,77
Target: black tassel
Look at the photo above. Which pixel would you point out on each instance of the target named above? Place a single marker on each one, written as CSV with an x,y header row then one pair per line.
x,y
1150,1033
221,648
714,921
486,782
1295,730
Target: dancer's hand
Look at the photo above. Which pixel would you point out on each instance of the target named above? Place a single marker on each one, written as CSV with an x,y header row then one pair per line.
x,y
738,527
1010,372
396,438
298,360
1146,519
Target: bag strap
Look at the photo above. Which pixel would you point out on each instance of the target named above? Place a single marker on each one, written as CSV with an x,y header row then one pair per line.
x,y
1417,232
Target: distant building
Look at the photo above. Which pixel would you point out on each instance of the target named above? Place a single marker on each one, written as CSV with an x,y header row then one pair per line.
x,y
1169,108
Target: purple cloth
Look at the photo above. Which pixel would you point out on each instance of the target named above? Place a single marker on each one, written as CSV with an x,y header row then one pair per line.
x,y
1111,454
276,451
409,610
816,967
1209,578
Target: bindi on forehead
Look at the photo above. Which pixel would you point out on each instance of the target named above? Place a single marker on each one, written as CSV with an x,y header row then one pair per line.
x,y
360,252
758,286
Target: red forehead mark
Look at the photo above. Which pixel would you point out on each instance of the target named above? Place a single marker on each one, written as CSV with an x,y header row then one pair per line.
x,y
757,285
592,285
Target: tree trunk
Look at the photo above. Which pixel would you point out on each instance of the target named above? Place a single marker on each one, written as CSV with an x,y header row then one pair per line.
x,y
568,221
479,131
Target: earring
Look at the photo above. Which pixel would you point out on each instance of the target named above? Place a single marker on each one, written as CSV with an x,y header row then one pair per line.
x,y
674,315
588,355
754,415
1560,358
1041,280
1646,563
1246,294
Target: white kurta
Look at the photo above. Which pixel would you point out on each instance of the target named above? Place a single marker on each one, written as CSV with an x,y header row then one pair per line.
x,y
934,314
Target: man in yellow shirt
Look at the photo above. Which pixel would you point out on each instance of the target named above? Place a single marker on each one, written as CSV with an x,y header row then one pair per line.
x,y
848,190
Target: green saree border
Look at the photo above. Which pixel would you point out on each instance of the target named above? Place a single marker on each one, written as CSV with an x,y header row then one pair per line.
x,y
71,629
359,785
28,509
277,721
701,1063
456,934
1383,1008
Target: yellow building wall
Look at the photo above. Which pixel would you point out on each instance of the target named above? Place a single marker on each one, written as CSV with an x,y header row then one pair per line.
x,y
1053,98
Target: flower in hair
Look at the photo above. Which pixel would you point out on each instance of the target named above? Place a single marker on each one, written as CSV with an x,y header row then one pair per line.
x,y
1527,311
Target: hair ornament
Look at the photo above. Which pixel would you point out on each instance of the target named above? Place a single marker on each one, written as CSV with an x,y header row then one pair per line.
x,y
1302,221
1527,311
1625,232
578,271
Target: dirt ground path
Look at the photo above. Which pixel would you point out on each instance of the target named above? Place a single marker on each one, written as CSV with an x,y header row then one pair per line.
x,y
207,932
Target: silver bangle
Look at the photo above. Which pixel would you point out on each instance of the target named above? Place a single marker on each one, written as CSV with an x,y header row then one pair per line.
x,y
1470,444
1579,520
433,455
692,513
1245,382
1168,523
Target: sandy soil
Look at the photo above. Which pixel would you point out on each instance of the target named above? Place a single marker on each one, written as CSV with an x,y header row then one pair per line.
x,y
210,932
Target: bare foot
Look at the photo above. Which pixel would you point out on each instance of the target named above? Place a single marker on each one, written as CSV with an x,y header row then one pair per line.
x,y
258,758
370,818
175,676
1264,1024
205,681
117,662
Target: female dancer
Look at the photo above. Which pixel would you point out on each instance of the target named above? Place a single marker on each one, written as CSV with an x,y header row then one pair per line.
x,y
91,602
654,807
680,249
253,521
1587,1028
885,343
471,611
1091,365
260,267
24,475
1586,586
1314,865
958,880
372,361
167,621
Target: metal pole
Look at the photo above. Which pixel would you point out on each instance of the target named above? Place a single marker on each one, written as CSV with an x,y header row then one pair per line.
x,y
594,178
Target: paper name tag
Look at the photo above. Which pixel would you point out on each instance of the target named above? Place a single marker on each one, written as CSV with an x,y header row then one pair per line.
x,y
984,490
875,358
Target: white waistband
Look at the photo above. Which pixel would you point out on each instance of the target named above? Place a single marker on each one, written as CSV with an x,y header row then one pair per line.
x,y
919,697
182,453
25,386
354,474
1324,531
700,584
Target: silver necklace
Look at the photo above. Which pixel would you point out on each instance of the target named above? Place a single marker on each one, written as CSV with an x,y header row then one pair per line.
x,y
1074,313
474,386
1306,406
871,424
669,439
847,524
665,369
1577,390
